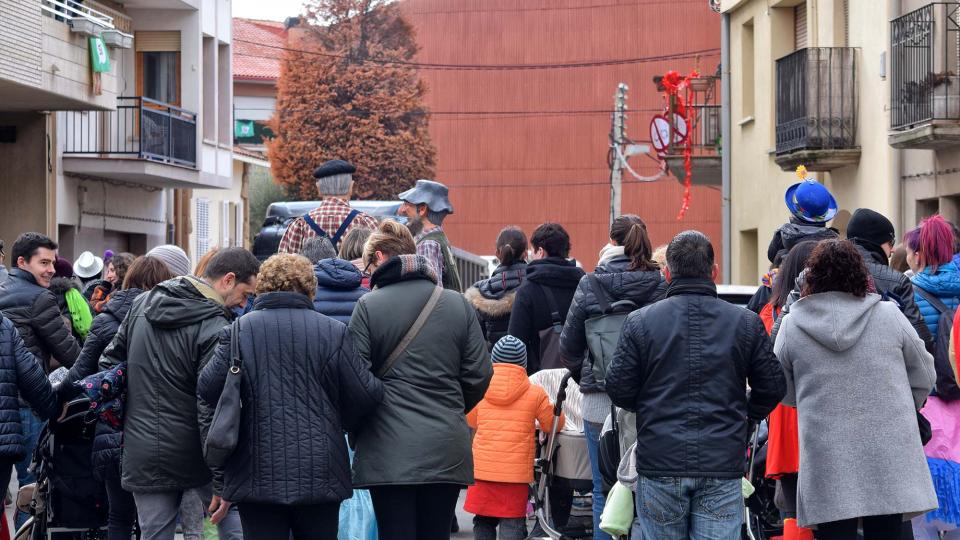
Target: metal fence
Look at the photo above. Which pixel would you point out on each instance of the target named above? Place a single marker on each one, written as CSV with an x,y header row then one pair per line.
x,y
925,62
817,99
140,127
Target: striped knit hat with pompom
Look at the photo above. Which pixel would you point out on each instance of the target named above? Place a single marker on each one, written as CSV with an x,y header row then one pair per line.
x,y
510,350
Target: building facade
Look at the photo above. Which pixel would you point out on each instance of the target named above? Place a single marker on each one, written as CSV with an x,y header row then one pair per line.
x,y
117,173
863,93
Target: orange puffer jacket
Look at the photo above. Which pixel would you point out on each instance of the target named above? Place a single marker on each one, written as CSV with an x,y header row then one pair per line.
x,y
503,448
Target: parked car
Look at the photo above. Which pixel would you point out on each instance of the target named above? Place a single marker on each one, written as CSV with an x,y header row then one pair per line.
x,y
738,295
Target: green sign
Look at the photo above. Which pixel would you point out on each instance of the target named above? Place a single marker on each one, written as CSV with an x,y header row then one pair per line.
x,y
99,57
243,129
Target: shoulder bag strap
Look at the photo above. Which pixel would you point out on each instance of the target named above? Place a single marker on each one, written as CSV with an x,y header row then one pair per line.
x,y
552,304
343,228
932,299
235,346
313,225
412,332
599,293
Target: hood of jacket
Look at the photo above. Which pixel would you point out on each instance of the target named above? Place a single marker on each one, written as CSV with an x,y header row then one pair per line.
x,y
555,271
60,285
120,301
509,383
609,252
337,274
503,280
945,282
494,307
835,320
793,233
622,283
182,301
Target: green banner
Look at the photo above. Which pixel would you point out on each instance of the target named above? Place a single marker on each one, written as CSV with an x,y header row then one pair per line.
x,y
99,56
243,129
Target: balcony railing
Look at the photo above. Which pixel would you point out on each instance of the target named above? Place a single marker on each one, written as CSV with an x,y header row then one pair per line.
x,y
140,127
817,100
925,62
76,12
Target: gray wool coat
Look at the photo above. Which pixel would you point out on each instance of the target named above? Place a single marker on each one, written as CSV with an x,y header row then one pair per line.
x,y
857,373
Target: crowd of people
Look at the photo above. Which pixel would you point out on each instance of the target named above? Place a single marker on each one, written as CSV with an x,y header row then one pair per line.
x,y
365,374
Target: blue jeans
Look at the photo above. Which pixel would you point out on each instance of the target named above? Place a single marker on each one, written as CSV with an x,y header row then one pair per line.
x,y
592,432
675,508
31,426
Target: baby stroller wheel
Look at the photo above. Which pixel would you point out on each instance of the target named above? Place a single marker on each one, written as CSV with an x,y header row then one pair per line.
x,y
27,530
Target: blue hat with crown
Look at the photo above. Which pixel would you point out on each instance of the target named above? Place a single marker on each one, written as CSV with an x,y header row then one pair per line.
x,y
809,200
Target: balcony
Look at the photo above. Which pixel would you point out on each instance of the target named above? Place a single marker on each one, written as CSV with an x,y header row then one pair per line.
x,y
144,140
705,161
817,109
924,86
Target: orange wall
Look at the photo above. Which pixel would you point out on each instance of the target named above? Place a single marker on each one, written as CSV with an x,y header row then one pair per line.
x,y
524,169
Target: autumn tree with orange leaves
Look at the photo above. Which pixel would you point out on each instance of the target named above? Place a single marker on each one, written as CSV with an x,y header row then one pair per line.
x,y
347,91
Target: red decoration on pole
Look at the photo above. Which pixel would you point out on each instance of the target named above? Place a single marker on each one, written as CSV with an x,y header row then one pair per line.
x,y
678,94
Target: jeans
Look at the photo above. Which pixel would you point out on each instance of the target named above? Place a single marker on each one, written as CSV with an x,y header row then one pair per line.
x,y
278,521
676,508
485,528
191,515
874,528
158,516
121,508
415,512
31,426
592,432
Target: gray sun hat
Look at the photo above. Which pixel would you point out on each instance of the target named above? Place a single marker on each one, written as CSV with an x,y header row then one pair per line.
x,y
433,194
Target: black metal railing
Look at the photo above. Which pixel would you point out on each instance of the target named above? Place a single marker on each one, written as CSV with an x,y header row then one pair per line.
x,y
140,127
924,65
817,99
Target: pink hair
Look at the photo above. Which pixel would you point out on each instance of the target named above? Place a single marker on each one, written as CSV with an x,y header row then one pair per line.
x,y
932,241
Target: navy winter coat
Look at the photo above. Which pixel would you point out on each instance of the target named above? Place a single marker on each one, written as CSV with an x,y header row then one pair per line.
x,y
338,288
303,385
36,314
20,373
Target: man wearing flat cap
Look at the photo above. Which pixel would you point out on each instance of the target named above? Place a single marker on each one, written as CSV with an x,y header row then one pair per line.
x,y
425,207
334,217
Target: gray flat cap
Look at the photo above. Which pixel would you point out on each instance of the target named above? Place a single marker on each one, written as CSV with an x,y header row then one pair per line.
x,y
433,194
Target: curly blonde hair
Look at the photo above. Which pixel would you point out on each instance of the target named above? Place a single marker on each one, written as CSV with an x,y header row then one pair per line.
x,y
287,272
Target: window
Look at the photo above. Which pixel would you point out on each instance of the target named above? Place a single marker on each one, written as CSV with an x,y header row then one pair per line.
x,y
746,62
158,66
800,26
236,214
209,89
203,227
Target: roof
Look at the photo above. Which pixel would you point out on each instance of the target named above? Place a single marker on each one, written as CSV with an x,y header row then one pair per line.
x,y
252,62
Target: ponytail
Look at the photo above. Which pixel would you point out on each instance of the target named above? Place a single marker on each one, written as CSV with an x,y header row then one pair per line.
x,y
511,246
637,246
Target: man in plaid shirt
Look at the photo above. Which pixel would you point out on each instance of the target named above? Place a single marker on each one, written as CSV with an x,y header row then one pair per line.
x,y
334,215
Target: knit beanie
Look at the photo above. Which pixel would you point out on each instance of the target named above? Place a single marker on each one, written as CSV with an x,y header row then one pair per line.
x,y
175,258
874,227
62,268
510,350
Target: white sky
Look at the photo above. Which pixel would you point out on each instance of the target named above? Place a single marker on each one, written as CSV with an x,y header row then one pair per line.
x,y
272,10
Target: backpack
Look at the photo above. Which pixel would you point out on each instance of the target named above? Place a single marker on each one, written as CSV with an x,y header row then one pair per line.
x,y
550,336
603,331
946,386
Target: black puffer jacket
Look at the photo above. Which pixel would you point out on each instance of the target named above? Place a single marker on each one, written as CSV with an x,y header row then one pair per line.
x,y
683,364
303,385
106,444
531,313
794,232
20,374
36,314
619,283
493,299
168,336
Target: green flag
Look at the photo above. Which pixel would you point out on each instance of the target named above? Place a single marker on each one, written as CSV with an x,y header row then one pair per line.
x,y
243,129
99,57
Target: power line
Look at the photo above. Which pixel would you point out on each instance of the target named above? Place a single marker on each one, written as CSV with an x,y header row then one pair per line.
x,y
499,114
486,67
557,8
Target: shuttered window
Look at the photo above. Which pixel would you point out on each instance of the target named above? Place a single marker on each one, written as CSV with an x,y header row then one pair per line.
x,y
800,26
157,41
203,227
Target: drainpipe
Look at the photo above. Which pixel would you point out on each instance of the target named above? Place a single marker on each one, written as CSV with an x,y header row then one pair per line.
x,y
726,165
895,161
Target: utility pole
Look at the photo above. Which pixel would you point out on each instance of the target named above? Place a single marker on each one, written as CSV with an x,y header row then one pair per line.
x,y
617,138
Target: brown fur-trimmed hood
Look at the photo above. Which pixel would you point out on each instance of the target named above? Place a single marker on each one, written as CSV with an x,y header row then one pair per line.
x,y
491,306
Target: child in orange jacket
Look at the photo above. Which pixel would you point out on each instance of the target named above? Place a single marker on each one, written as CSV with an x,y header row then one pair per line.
x,y
504,445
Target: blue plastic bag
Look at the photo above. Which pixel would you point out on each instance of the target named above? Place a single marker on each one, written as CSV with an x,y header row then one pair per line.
x,y
357,520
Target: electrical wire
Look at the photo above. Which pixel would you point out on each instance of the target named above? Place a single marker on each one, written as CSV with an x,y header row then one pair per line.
x,y
483,67
557,8
505,114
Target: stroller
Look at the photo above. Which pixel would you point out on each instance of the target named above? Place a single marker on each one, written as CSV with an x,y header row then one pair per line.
x,y
562,462
66,502
761,520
